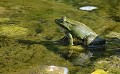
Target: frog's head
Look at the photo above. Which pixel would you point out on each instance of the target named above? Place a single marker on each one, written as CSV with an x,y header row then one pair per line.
x,y
62,22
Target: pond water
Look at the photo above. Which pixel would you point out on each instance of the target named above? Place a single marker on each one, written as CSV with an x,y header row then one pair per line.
x,y
37,47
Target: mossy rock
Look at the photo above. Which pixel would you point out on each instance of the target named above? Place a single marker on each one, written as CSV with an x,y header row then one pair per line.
x,y
13,31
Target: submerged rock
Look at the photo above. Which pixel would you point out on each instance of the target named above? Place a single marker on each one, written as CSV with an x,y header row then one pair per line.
x,y
54,70
48,70
82,58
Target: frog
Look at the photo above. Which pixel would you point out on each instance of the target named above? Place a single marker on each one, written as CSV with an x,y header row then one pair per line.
x,y
75,29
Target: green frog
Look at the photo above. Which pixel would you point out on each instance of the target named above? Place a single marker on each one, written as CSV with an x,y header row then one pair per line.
x,y
74,29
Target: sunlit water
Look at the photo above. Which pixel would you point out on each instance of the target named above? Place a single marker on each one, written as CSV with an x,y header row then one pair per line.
x,y
54,70
88,8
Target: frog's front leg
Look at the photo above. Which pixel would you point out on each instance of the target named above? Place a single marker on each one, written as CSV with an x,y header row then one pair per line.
x,y
70,38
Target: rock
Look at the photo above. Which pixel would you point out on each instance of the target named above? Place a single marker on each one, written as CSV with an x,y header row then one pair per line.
x,y
88,8
50,70
99,71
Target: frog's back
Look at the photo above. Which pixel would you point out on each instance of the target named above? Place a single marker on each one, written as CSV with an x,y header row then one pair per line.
x,y
81,29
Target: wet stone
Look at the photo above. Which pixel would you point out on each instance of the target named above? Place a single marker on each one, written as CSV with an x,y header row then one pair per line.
x,y
88,8
50,70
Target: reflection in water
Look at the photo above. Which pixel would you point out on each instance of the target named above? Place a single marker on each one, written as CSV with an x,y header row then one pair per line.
x,y
82,59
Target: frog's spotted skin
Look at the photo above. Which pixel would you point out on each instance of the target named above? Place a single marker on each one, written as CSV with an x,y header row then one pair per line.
x,y
75,29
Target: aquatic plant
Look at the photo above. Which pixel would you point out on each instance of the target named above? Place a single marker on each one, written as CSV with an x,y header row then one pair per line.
x,y
13,31
29,41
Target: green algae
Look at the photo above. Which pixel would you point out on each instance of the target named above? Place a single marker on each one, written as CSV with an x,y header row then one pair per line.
x,y
2,10
24,54
13,31
4,20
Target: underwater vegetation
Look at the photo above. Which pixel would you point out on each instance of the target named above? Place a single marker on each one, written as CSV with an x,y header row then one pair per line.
x,y
28,36
13,31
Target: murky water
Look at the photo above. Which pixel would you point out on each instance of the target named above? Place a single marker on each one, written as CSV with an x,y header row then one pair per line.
x,y
31,50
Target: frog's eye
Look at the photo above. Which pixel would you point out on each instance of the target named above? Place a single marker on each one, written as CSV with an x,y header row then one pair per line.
x,y
63,18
